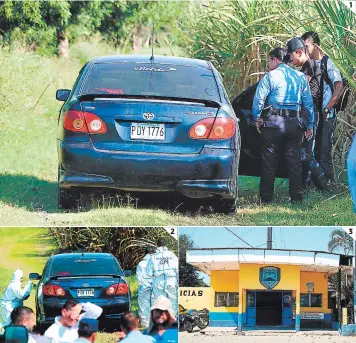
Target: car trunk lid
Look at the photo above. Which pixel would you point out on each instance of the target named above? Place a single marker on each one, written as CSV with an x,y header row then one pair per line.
x,y
150,125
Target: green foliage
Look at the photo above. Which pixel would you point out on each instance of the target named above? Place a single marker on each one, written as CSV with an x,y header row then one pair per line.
x,y
33,23
119,19
237,35
340,240
127,244
188,275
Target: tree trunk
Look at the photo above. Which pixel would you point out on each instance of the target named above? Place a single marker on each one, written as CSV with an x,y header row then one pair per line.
x,y
63,44
338,297
139,37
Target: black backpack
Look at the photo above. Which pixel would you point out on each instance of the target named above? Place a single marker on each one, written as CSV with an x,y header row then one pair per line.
x,y
344,97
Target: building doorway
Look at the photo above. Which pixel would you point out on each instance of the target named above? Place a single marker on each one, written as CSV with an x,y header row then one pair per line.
x,y
269,308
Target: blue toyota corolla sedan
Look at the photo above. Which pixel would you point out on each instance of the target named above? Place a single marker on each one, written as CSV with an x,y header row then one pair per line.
x,y
85,277
141,123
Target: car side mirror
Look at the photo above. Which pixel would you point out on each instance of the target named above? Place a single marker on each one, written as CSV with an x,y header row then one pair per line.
x,y
128,272
34,276
63,94
16,334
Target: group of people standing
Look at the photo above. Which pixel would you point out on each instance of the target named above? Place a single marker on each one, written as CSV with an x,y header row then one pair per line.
x,y
157,276
295,113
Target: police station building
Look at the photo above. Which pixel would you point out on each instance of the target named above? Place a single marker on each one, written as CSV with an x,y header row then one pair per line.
x,y
266,288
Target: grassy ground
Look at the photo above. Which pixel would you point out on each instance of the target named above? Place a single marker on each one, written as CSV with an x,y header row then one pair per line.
x,y
28,169
24,248
29,249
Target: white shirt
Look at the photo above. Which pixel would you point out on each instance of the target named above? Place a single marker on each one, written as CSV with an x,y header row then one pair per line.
x,y
60,333
82,340
63,334
31,339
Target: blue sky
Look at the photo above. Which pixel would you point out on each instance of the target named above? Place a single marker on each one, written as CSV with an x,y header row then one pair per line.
x,y
301,238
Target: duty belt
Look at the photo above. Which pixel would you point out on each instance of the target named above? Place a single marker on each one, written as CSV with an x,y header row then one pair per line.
x,y
285,113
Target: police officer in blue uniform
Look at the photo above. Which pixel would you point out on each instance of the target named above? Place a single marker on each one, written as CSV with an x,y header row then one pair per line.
x,y
279,97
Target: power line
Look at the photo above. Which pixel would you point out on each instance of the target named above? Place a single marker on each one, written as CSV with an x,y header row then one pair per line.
x,y
259,246
239,237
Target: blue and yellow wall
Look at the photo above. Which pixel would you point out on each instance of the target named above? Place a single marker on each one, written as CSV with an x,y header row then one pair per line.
x,y
248,279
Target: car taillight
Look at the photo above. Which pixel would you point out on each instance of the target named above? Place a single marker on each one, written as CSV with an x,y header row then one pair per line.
x,y
52,290
210,128
117,289
79,121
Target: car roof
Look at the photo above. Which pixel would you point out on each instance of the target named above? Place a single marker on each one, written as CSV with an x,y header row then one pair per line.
x,y
173,60
82,255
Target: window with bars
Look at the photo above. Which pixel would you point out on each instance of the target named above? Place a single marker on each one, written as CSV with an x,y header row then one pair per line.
x,y
310,300
226,299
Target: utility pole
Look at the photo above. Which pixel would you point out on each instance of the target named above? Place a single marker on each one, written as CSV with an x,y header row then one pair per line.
x,y
269,237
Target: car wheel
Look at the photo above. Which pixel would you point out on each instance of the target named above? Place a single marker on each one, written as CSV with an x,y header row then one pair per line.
x,y
188,326
68,198
225,206
228,205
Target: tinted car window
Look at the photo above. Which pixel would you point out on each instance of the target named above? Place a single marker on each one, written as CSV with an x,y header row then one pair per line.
x,y
79,266
152,79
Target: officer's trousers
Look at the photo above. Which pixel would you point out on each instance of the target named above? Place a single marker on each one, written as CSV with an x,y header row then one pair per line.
x,y
281,136
311,168
324,148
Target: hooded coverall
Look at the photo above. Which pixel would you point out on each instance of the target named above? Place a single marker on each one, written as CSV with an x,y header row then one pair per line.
x,y
163,267
13,297
145,297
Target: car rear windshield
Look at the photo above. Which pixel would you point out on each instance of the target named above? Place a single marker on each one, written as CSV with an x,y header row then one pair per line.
x,y
152,79
79,266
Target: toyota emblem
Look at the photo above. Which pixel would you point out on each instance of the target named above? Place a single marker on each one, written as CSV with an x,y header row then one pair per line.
x,y
148,116
85,285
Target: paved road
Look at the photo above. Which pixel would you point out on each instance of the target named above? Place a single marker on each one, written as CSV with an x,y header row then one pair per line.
x,y
292,338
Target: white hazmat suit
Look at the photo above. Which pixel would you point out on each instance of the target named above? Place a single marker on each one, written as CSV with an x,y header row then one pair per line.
x,y
145,297
163,267
13,296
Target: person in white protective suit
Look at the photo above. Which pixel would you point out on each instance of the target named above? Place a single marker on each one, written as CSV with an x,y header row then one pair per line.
x,y
145,285
163,267
13,297
65,327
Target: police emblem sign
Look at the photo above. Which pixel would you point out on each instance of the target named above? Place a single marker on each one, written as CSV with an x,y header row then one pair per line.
x,y
270,277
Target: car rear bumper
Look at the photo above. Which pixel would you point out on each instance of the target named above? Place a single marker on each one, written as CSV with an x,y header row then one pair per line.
x,y
209,172
112,309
